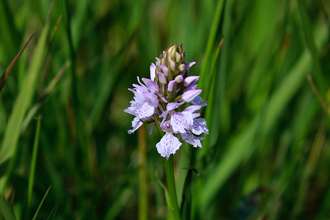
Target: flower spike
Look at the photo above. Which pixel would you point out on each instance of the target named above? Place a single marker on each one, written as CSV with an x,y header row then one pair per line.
x,y
159,100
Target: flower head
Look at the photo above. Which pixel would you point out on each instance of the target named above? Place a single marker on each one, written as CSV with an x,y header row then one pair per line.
x,y
160,98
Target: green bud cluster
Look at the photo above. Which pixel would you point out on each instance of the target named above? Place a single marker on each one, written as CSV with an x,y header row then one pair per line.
x,y
174,59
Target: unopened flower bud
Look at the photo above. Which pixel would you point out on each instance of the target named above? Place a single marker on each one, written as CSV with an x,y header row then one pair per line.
x,y
178,57
164,69
172,64
171,52
182,67
179,78
162,77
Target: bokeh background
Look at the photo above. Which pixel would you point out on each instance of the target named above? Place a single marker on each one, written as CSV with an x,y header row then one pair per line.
x,y
267,154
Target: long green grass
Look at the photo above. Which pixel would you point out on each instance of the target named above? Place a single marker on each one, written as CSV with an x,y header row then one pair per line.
x,y
268,89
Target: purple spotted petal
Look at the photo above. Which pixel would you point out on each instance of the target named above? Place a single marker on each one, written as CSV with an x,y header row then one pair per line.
x,y
136,123
198,101
192,139
199,126
145,111
181,121
168,145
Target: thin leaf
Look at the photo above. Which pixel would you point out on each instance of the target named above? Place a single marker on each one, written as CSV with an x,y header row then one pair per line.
x,y
185,210
49,88
54,210
210,43
24,98
8,70
33,163
42,201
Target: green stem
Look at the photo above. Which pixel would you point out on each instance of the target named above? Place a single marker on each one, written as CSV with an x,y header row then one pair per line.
x,y
143,192
173,207
173,203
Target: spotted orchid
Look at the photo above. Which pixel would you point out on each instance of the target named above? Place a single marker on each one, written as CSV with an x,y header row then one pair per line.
x,y
159,100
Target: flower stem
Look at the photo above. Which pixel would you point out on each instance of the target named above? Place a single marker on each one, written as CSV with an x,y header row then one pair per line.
x,y
173,207
143,187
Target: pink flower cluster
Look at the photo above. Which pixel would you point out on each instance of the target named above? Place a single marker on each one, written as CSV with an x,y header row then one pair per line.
x,y
160,99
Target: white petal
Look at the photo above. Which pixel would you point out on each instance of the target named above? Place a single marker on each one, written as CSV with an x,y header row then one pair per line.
x,y
168,145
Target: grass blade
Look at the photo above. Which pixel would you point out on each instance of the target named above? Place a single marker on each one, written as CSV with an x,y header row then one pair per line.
x,y
54,210
33,164
8,70
185,211
210,44
23,99
42,201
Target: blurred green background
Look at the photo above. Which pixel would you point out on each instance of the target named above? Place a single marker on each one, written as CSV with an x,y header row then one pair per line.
x,y
267,154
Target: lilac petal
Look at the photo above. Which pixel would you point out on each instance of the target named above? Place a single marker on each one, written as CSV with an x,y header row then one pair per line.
x,y
181,121
152,86
138,79
162,97
191,94
192,139
163,115
190,79
168,145
195,115
152,72
198,101
171,106
192,108
131,110
171,85
165,69
188,65
152,128
136,123
158,61
191,86
146,110
199,126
